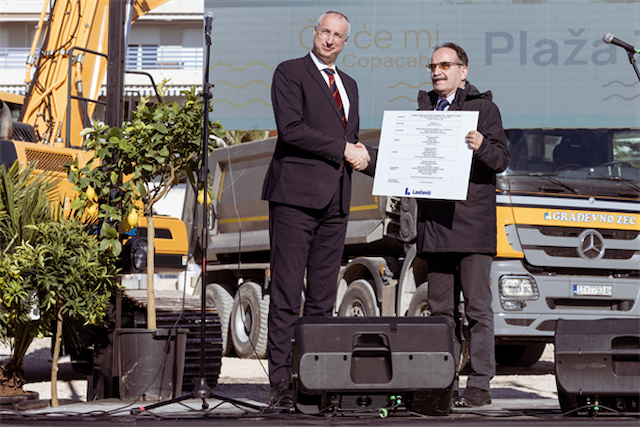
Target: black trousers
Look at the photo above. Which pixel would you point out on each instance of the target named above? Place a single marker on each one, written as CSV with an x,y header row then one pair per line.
x,y
448,274
310,240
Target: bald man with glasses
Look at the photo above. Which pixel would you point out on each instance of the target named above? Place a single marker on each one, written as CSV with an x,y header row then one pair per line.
x,y
458,238
308,186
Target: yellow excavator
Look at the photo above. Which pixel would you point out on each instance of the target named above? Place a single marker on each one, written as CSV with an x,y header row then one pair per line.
x,y
78,45
64,82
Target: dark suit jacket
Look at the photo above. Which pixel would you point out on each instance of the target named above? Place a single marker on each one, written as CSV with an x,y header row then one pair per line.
x,y
307,164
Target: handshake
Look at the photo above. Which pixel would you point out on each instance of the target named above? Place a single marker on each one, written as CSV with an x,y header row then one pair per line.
x,y
357,155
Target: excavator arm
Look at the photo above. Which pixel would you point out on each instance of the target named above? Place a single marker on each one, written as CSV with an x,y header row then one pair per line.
x,y
65,78
64,85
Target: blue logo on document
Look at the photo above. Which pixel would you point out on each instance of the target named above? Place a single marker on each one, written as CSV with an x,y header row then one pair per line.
x,y
416,192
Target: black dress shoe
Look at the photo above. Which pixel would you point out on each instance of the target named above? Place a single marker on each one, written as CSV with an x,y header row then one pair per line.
x,y
473,397
280,394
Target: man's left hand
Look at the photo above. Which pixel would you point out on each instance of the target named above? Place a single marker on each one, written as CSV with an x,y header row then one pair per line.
x,y
474,139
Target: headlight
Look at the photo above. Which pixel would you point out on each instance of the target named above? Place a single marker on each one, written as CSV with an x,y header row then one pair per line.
x,y
518,287
139,257
513,305
133,258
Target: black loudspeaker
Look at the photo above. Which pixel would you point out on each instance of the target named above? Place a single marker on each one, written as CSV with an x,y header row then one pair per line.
x,y
598,364
373,363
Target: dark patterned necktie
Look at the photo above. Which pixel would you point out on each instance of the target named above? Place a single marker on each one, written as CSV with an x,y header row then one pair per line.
x,y
442,104
336,94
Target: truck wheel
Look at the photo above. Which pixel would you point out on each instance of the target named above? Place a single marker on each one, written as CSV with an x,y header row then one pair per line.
x,y
220,297
519,355
419,306
249,322
359,300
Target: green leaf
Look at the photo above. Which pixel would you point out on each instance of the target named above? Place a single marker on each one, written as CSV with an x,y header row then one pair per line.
x,y
104,245
142,191
108,231
160,127
116,248
76,204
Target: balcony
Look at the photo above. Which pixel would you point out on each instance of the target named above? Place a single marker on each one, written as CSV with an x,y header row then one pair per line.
x,y
152,57
182,65
146,57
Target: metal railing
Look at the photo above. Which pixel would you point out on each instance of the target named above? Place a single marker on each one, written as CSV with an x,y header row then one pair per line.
x,y
147,57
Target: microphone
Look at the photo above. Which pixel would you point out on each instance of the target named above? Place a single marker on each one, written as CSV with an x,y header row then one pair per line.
x,y
608,38
208,19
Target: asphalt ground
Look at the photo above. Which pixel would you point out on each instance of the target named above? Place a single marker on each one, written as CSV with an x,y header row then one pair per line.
x,y
521,396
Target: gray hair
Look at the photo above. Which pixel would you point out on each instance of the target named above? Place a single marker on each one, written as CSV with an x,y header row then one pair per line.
x,y
329,12
462,55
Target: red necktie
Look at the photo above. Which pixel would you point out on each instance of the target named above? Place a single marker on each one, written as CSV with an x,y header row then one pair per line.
x,y
336,94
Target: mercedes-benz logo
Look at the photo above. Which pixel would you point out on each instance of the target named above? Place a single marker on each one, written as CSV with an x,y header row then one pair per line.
x,y
591,246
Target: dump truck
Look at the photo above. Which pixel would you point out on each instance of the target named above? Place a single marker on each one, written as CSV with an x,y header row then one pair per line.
x,y
568,241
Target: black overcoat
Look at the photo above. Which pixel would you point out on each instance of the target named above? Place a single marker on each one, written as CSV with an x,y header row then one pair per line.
x,y
467,225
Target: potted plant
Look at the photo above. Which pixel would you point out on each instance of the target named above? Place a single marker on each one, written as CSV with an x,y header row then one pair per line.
x,y
133,168
50,268
24,201
67,276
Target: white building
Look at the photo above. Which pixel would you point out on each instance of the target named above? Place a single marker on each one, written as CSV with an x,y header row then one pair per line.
x,y
167,43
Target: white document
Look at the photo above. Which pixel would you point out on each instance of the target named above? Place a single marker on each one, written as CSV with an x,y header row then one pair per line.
x,y
424,154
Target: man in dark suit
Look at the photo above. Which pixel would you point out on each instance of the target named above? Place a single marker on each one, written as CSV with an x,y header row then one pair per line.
x,y
458,238
308,186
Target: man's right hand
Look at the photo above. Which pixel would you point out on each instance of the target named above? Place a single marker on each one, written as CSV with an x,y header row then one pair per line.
x,y
357,155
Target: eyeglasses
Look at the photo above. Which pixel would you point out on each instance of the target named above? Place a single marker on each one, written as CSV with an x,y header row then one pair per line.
x,y
444,66
327,33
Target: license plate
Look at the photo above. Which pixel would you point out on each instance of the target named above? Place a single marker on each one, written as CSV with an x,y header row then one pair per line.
x,y
593,290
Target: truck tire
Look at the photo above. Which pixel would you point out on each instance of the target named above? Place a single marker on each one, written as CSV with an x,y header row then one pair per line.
x,y
519,355
359,300
220,297
249,322
419,306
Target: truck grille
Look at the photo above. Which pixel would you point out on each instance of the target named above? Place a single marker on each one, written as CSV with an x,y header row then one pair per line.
x,y
573,253
558,248
589,304
575,232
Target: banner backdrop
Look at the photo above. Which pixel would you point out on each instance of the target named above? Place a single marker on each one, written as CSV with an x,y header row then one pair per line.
x,y
544,61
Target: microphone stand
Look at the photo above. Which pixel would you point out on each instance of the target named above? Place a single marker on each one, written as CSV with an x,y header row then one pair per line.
x,y
201,389
632,60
